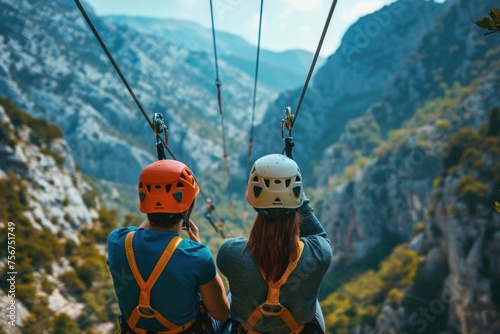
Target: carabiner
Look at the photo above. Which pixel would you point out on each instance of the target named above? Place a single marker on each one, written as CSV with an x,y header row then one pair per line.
x,y
159,126
287,122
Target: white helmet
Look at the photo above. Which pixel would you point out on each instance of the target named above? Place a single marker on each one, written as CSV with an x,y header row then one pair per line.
x,y
275,186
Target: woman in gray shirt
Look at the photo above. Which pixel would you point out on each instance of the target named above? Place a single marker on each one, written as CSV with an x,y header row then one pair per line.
x,y
275,274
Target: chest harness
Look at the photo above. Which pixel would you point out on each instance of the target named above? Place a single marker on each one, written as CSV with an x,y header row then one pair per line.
x,y
143,308
272,307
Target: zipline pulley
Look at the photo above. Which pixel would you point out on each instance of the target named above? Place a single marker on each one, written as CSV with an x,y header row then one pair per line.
x,y
159,126
287,123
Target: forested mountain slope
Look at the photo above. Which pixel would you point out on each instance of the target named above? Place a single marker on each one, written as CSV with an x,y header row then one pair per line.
x,y
420,166
59,228
354,77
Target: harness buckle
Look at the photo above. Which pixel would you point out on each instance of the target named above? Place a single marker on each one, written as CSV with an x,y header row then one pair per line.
x,y
272,309
146,311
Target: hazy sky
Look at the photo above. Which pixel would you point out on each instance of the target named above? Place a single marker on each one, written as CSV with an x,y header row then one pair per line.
x,y
287,24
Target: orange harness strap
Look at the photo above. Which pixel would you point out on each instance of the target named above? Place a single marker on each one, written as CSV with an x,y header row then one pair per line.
x,y
144,309
272,301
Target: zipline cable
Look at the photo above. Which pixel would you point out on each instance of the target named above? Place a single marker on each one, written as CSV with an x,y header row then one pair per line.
x,y
250,141
219,100
316,55
117,69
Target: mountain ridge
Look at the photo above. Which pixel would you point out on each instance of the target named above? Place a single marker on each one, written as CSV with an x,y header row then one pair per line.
x,y
278,70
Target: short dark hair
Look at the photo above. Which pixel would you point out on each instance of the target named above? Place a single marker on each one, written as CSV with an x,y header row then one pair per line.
x,y
164,219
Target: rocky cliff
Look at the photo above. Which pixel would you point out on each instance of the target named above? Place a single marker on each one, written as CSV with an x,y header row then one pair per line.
x,y
354,77
380,164
420,166
52,66
279,71
54,217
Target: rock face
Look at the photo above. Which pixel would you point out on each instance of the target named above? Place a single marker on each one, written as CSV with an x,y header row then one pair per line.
x,y
52,66
57,201
279,71
384,173
393,189
54,187
355,76
472,254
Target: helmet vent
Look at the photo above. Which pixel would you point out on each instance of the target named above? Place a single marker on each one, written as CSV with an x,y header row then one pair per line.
x,y
255,179
140,185
266,181
168,187
277,181
287,182
188,176
296,191
257,190
158,204
149,187
157,186
178,196
277,199
297,178
142,196
180,185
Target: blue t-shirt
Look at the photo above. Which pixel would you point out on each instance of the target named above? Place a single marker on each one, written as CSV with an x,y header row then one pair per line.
x,y
175,294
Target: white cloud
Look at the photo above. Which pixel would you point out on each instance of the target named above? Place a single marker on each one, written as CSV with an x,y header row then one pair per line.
x,y
361,8
302,5
305,28
253,23
292,6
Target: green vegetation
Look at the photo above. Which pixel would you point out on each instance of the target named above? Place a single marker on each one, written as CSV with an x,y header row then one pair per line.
x,y
6,135
88,281
470,150
359,301
364,134
457,144
471,192
442,108
347,270
64,324
42,133
470,157
492,23
13,202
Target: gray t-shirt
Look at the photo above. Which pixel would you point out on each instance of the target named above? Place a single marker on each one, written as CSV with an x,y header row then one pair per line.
x,y
298,294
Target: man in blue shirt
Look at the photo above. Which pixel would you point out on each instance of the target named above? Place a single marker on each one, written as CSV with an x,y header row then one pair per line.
x,y
159,278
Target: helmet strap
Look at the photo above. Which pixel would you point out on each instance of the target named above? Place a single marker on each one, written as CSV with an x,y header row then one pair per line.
x,y
276,212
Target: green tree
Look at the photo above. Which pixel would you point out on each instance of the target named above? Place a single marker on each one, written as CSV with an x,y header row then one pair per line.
x,y
63,324
492,23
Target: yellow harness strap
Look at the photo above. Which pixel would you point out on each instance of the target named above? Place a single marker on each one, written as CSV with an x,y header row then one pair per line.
x,y
144,309
272,301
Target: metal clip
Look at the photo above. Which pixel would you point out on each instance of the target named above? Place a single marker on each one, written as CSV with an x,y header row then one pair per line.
x,y
159,126
287,123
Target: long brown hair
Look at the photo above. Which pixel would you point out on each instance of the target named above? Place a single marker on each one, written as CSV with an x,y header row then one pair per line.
x,y
273,243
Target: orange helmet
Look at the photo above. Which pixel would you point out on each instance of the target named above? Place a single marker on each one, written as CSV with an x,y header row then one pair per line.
x,y
166,186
